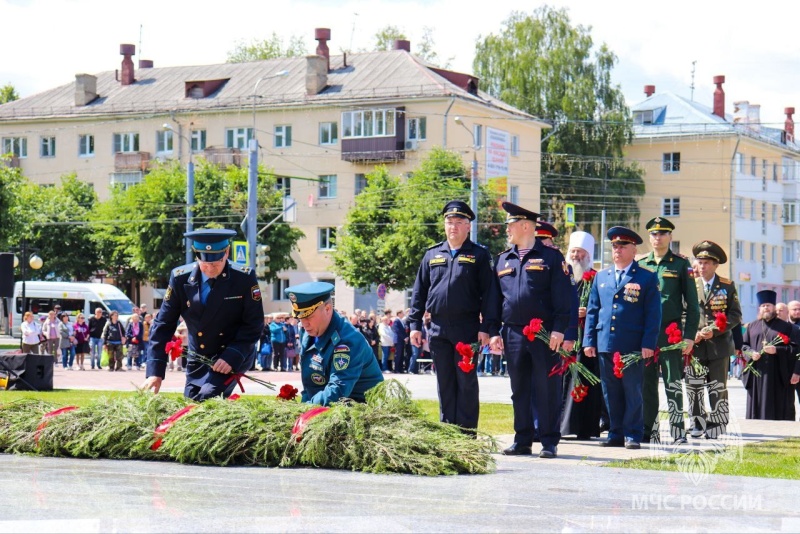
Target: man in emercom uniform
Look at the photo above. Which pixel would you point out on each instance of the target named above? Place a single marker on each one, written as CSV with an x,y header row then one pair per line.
x,y
221,304
456,284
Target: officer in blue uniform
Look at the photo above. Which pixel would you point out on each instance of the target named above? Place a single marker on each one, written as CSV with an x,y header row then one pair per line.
x,y
221,304
455,283
535,283
335,360
623,315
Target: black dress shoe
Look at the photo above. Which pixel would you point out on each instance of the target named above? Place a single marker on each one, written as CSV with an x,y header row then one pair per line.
x,y
549,452
612,443
517,450
603,425
630,444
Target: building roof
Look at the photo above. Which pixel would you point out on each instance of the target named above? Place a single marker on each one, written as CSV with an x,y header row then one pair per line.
x,y
352,80
676,116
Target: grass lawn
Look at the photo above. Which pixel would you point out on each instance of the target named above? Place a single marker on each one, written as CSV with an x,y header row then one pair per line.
x,y
495,418
771,459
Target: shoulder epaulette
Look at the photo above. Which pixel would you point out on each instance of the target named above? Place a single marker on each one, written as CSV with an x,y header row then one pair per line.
x,y
240,267
506,250
725,280
435,245
183,269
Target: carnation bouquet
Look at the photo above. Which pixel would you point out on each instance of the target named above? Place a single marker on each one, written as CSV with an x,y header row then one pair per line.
x,y
780,339
175,350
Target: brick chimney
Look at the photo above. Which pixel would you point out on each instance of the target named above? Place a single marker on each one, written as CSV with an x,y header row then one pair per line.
x,y
719,97
85,89
649,90
323,35
788,126
402,44
126,73
316,74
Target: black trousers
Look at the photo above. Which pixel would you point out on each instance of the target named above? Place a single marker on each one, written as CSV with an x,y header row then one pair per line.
x,y
458,391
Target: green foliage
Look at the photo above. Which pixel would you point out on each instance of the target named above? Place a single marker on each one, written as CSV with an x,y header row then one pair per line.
x,y
386,36
426,49
544,66
8,94
11,182
271,48
394,221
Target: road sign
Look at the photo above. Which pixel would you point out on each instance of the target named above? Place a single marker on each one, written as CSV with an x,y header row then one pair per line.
x,y
381,291
381,305
240,252
569,214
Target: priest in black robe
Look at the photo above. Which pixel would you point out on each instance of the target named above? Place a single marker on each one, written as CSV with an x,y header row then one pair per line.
x,y
770,395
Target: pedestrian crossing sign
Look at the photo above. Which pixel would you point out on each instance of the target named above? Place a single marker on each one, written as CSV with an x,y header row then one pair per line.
x,y
240,252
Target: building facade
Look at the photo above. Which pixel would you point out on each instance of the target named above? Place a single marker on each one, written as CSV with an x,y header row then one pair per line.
x,y
322,121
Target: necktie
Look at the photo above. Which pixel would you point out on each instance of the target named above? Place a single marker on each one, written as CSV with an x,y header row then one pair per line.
x,y
207,285
620,272
708,288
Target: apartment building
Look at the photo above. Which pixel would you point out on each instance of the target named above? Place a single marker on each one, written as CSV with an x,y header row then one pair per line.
x,y
725,177
324,120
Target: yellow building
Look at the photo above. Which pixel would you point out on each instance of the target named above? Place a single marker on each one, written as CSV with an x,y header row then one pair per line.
x,y
328,118
726,178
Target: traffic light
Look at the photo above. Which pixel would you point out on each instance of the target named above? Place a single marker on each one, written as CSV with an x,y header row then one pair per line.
x,y
262,260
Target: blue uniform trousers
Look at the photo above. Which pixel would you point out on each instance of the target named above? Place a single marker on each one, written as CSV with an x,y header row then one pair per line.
x,y
202,383
533,394
458,391
623,397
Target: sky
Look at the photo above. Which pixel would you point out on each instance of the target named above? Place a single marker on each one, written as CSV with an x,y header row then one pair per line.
x,y
46,42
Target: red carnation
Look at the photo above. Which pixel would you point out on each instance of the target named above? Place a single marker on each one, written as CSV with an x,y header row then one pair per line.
x,y
466,366
464,350
784,338
619,365
672,328
721,321
174,348
535,325
288,392
588,276
528,333
579,392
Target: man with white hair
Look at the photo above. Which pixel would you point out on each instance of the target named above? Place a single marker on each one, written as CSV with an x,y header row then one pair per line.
x,y
587,418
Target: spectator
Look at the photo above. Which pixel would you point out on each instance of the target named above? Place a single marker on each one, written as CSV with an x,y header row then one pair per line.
x,y
113,339
50,330
142,312
81,330
291,345
65,339
134,335
182,332
265,345
400,338
30,334
96,325
387,341
277,332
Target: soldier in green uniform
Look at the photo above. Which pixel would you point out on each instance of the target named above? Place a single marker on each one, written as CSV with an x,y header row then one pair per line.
x,y
713,347
678,297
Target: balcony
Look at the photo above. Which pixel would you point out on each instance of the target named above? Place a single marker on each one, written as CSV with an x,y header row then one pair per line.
x,y
131,161
791,272
223,157
373,150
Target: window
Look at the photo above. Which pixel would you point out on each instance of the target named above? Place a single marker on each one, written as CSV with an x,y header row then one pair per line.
x,y
47,147
164,140
784,295
284,184
739,206
775,255
774,213
738,162
126,179
764,169
774,172
327,239
417,129
752,210
513,194
789,213
763,218
327,187
477,131
515,145
791,252
753,252
753,165
279,286
198,140
788,169
740,250
671,162
86,145
361,182
675,247
283,136
671,207
16,146
126,142
238,137
368,123
328,133
643,117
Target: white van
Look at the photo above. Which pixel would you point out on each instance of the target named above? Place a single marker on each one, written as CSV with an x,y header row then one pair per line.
x,y
74,297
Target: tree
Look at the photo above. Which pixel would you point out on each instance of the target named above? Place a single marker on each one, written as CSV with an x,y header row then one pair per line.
x,y
11,182
426,49
8,94
271,48
386,36
393,222
544,66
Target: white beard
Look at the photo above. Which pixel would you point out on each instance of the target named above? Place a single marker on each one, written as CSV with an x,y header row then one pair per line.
x,y
579,268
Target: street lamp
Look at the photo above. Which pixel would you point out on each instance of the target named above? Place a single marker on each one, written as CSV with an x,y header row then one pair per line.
x,y
252,181
473,187
35,263
189,183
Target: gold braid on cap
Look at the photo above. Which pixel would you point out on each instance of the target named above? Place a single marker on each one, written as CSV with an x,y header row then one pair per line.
x,y
302,313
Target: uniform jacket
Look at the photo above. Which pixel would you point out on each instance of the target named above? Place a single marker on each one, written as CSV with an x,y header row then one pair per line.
x,y
540,286
678,293
458,292
623,319
228,325
338,364
722,298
